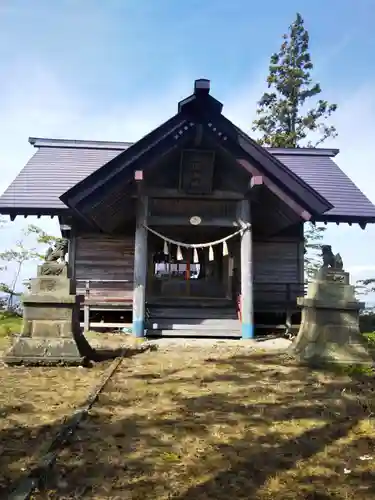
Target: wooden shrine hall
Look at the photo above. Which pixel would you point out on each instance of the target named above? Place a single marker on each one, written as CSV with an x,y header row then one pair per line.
x,y
193,230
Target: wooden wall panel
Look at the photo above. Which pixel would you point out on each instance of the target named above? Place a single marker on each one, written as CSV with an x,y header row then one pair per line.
x,y
277,263
277,270
101,257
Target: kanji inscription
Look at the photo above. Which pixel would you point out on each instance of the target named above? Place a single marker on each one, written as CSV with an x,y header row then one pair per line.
x,y
197,169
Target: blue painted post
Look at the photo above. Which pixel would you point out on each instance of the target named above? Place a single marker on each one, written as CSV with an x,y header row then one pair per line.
x,y
247,315
140,267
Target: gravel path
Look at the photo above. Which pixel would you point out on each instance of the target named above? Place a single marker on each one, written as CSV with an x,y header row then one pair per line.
x,y
108,341
273,344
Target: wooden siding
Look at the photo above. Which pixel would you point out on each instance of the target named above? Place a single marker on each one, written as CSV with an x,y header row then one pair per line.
x,y
276,261
101,257
277,270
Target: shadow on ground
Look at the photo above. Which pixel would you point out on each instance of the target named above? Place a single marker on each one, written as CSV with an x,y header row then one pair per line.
x,y
240,427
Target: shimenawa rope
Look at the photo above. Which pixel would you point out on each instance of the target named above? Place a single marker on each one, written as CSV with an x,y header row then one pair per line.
x,y
195,246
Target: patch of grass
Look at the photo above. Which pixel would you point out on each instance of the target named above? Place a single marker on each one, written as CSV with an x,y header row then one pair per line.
x,y
223,423
9,324
353,370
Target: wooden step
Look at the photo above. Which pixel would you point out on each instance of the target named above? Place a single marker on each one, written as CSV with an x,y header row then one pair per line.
x,y
192,313
187,324
194,333
190,303
101,324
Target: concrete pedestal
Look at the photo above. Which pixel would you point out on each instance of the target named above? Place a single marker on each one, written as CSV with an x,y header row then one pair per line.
x,y
329,331
50,321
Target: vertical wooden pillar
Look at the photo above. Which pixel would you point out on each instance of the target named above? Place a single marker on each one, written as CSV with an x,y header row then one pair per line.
x,y
72,251
247,326
229,282
86,318
72,274
140,267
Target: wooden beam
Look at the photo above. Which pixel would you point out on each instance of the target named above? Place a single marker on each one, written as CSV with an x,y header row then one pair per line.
x,y
256,185
256,180
156,220
304,214
247,314
140,267
198,135
175,193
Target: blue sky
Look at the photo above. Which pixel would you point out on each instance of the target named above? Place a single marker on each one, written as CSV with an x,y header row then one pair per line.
x,y
114,69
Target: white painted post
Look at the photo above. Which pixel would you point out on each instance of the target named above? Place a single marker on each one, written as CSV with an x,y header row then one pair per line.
x,y
247,314
140,268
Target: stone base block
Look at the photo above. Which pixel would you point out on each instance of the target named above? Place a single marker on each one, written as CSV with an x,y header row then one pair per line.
x,y
45,328
329,331
330,337
44,351
53,269
316,354
56,285
49,316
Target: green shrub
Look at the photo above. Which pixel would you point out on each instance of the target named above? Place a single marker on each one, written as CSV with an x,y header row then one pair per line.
x,y
367,322
370,337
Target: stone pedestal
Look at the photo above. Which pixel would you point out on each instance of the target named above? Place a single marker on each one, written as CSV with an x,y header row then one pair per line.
x,y
50,320
329,331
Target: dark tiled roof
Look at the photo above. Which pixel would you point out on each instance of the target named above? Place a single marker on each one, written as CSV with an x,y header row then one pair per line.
x,y
58,165
324,175
51,172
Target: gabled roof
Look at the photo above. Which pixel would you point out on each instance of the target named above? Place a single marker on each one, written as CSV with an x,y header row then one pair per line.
x,y
31,193
197,114
146,150
58,165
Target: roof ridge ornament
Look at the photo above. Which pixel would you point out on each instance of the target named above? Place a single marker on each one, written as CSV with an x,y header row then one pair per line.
x,y
202,84
200,99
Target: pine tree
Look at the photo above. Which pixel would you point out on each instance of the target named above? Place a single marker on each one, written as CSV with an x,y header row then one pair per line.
x,y
283,119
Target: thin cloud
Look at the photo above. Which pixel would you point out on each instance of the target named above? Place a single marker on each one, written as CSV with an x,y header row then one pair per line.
x,y
362,269
324,58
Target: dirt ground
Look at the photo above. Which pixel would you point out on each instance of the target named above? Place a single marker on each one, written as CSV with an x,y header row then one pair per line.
x,y
222,423
33,403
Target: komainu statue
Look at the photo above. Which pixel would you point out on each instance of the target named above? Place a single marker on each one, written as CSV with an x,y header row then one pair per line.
x,y
58,253
330,260
54,260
